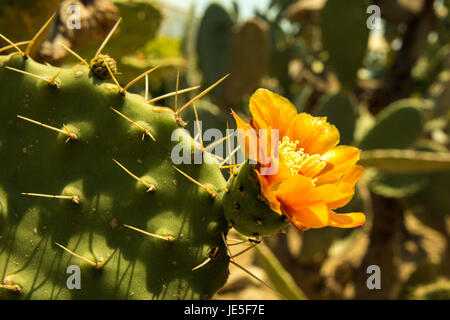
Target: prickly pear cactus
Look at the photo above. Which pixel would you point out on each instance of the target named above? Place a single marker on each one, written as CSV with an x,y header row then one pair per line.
x,y
340,34
246,68
405,116
75,173
214,41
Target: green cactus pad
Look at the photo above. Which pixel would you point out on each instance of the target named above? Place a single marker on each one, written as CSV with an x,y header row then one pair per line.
x,y
397,185
100,196
246,67
396,127
340,34
214,41
245,207
405,161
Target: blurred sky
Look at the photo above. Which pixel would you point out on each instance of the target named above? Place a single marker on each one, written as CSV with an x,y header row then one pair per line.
x,y
174,12
246,7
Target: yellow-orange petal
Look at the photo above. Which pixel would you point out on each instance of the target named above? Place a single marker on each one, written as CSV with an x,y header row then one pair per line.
x,y
315,134
340,160
283,173
343,194
247,138
241,124
297,191
267,192
346,220
314,216
298,224
353,175
320,211
265,150
271,109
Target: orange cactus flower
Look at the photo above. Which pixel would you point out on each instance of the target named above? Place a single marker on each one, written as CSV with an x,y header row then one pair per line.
x,y
314,175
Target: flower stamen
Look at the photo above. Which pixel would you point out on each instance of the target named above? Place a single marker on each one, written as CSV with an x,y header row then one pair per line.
x,y
298,161
290,155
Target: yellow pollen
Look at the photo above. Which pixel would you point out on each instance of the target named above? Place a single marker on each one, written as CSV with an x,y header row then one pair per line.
x,y
290,155
298,161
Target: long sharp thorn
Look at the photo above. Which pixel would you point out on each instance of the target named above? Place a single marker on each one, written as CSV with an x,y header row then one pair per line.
x,y
257,278
97,265
211,193
31,44
167,238
226,244
74,199
215,143
92,263
229,150
202,264
74,54
236,240
148,185
99,51
198,127
217,157
139,78
65,131
29,74
146,87
230,155
51,81
243,251
171,94
233,168
230,166
114,79
176,90
146,132
237,243
199,96
12,43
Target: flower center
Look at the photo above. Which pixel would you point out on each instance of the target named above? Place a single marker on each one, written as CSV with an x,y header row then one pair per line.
x,y
298,161
289,154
